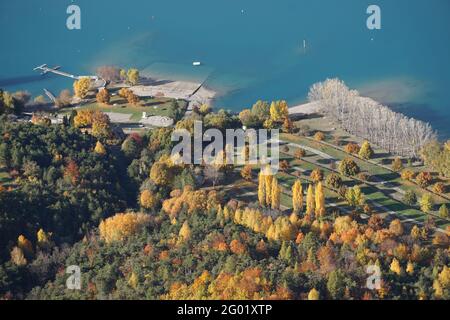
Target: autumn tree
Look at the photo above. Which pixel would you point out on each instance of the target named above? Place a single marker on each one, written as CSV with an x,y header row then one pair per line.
x,y
299,153
439,187
43,239
99,148
424,179
262,189
246,172
443,211
313,294
334,181
81,87
275,201
297,196
352,148
160,173
287,126
25,245
72,172
122,226
103,96
133,76
396,228
316,175
397,164
279,111
366,151
310,201
185,232
83,118
348,167
408,174
148,199
395,267
101,125
320,200
17,257
354,196
319,136
426,203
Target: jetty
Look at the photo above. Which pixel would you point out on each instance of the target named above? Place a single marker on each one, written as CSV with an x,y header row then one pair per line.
x,y
97,82
46,69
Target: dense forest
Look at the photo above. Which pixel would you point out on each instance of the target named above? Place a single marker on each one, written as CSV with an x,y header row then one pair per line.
x,y
140,226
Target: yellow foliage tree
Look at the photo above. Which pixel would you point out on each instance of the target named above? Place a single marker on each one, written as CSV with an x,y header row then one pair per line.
x,y
268,184
99,148
25,245
81,87
43,239
310,201
395,267
17,257
133,76
297,196
122,226
262,189
246,172
279,111
185,232
133,281
148,199
320,200
313,294
83,118
103,96
410,268
275,194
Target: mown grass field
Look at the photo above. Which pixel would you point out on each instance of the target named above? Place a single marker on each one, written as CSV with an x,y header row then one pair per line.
x,y
152,106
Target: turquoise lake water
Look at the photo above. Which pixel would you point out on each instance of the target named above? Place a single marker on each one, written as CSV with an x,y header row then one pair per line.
x,y
250,49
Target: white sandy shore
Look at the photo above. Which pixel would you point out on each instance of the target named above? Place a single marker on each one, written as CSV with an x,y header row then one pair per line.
x,y
306,109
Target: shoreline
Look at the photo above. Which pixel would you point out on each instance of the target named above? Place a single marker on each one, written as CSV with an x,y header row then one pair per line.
x,y
194,93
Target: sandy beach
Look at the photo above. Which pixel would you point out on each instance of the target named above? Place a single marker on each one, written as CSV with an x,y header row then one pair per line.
x,y
195,93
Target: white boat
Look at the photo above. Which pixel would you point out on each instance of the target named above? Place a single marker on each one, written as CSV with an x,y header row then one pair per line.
x,y
196,63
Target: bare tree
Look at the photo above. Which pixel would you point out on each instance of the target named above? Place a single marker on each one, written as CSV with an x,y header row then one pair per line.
x,y
370,120
213,174
109,73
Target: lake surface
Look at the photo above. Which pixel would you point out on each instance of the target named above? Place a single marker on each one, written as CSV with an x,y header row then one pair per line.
x,y
250,49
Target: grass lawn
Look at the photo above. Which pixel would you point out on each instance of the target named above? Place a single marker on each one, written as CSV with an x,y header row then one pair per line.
x,y
373,170
153,107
